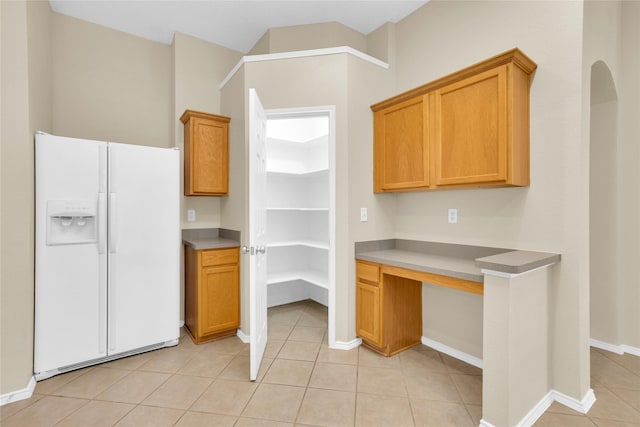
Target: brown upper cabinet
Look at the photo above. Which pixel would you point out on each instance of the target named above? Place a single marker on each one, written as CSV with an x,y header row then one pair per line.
x,y
467,129
206,154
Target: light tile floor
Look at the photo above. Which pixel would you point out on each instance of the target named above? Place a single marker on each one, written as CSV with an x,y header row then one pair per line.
x,y
302,382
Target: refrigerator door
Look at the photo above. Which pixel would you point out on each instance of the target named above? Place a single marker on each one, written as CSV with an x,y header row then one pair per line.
x,y
71,273
144,246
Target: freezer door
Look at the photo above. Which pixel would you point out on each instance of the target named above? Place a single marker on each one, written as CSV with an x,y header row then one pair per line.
x,y
70,274
144,246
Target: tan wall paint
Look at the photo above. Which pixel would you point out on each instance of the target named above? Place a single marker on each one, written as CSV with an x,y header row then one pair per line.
x,y
26,107
366,85
610,34
110,86
313,36
381,43
233,209
198,67
442,37
515,374
262,46
351,85
604,228
629,177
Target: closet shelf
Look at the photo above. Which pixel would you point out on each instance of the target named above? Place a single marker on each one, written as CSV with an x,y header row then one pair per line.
x,y
290,209
318,244
310,276
303,174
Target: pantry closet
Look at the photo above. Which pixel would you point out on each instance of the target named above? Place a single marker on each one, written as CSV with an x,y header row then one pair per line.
x,y
299,206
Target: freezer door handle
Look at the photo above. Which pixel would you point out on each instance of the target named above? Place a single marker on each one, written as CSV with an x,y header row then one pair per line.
x,y
102,225
113,223
102,314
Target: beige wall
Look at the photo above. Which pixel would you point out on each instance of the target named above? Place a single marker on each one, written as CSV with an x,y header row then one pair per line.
x,y
199,67
110,86
26,107
305,37
77,79
366,85
351,85
611,94
233,209
629,176
262,46
381,43
550,215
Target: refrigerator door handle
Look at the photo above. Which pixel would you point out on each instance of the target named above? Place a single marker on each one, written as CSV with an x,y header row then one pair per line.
x,y
113,222
102,314
111,297
102,225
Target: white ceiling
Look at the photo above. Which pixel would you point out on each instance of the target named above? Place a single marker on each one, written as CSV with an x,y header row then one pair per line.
x,y
236,24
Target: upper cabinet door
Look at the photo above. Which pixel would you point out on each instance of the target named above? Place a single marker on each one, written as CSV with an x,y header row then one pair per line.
x,y
206,154
402,146
471,130
466,129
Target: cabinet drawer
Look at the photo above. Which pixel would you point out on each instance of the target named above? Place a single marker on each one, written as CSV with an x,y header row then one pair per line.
x,y
219,257
368,272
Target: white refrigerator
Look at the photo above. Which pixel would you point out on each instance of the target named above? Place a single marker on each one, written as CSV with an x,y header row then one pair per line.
x,y
107,251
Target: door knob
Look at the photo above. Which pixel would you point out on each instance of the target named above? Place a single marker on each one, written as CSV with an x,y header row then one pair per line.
x,y
261,249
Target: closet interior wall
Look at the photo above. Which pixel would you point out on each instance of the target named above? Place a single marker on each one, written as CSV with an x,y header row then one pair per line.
x,y
298,210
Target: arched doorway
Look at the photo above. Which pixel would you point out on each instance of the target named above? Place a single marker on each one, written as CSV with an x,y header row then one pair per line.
x,y
603,207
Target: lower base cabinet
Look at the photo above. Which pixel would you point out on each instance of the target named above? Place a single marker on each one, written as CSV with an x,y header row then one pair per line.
x,y
388,310
212,293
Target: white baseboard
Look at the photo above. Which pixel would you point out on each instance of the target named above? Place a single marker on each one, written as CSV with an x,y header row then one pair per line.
x,y
14,396
631,350
348,345
613,348
536,412
581,406
472,360
243,337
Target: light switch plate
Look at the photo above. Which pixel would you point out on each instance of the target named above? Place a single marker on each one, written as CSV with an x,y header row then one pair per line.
x,y
363,214
191,215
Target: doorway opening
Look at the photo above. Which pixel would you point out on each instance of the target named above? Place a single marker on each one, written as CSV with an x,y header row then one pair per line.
x,y
603,206
300,147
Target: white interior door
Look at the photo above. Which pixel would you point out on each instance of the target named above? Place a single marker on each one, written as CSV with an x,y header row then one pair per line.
x,y
257,232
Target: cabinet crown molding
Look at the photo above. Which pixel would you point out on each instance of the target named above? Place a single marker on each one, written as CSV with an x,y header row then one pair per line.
x,y
193,113
514,56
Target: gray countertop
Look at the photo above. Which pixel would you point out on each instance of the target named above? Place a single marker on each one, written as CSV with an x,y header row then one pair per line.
x,y
517,262
447,259
446,266
210,238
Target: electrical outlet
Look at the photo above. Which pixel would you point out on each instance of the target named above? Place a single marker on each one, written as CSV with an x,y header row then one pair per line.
x,y
363,214
191,215
453,216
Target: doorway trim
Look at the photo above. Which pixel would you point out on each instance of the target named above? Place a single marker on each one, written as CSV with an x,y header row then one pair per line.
x,y
330,112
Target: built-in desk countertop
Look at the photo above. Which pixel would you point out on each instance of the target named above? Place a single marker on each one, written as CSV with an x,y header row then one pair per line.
x,y
440,262
390,273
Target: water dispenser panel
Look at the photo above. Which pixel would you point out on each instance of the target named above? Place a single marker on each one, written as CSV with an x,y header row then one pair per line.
x,y
71,222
